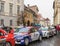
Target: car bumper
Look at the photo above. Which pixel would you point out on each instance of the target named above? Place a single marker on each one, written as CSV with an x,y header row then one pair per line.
x,y
20,42
45,34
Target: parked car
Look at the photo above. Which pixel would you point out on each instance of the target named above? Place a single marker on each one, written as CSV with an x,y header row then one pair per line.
x,y
53,30
45,32
9,36
26,35
2,38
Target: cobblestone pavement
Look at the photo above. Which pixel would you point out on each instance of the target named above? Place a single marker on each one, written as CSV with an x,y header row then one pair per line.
x,y
53,41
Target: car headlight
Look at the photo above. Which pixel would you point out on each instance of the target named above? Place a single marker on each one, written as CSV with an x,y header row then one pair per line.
x,y
22,40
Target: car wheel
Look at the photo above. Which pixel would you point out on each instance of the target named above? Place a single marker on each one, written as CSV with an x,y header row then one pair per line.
x,y
3,44
40,38
8,44
26,41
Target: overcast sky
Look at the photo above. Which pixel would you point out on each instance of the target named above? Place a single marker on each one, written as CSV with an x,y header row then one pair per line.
x,y
45,7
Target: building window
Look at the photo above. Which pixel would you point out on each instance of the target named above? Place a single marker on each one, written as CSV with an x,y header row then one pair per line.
x,y
11,9
11,23
11,0
18,1
18,10
1,6
2,22
58,0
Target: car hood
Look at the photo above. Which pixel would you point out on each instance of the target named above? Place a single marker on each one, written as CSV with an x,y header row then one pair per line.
x,y
45,31
19,35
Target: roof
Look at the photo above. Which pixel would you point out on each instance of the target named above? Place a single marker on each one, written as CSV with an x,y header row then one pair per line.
x,y
30,10
33,6
24,27
47,19
39,16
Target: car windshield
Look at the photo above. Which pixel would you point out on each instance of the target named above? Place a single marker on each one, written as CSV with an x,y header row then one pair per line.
x,y
52,27
16,30
20,30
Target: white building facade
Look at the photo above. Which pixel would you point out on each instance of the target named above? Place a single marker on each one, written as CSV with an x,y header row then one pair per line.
x,y
9,10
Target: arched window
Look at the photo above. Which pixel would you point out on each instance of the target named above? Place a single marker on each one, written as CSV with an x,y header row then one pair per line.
x,y
11,23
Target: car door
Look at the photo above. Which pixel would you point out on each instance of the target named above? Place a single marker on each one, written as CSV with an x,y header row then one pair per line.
x,y
32,33
36,34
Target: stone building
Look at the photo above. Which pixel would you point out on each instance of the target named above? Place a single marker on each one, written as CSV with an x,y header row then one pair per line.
x,y
9,11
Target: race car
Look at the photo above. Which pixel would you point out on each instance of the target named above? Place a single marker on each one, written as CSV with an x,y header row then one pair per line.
x,y
26,35
45,32
2,38
9,35
53,30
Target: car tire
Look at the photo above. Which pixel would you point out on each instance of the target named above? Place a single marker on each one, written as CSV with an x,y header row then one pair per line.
x,y
8,44
26,41
4,44
40,38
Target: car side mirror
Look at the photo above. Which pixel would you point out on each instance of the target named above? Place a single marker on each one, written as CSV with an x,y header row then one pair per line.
x,y
1,34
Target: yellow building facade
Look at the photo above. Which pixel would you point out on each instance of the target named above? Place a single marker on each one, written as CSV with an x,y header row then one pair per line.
x,y
56,7
28,15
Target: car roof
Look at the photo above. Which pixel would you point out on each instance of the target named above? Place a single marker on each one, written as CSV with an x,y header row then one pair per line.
x,y
26,27
29,27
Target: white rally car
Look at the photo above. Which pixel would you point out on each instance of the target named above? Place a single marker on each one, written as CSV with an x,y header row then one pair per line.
x,y
45,32
53,30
